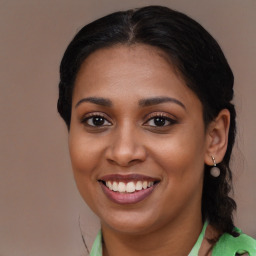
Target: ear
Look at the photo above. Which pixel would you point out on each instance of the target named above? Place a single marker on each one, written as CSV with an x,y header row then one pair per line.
x,y
217,137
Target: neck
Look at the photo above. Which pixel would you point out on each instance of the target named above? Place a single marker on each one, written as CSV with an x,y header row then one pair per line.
x,y
176,238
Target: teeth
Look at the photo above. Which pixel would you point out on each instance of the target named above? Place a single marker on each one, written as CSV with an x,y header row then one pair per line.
x,y
129,187
138,185
144,184
150,184
115,186
109,185
121,187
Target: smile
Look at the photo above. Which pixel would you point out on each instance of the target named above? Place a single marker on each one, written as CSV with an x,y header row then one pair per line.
x,y
127,189
130,187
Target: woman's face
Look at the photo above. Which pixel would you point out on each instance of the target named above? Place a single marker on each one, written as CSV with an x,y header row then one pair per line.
x,y
137,139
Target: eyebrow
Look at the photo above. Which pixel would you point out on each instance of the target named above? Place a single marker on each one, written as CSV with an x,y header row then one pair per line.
x,y
96,100
159,100
142,103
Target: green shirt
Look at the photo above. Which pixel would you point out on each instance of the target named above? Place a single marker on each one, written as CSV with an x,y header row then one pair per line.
x,y
227,245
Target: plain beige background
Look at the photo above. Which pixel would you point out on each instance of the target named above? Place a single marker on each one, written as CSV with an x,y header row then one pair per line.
x,y
40,206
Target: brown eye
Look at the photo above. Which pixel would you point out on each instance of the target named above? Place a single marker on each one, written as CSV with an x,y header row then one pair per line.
x,y
96,121
159,121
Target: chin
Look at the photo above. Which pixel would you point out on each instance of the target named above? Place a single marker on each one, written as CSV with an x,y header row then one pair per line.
x,y
129,223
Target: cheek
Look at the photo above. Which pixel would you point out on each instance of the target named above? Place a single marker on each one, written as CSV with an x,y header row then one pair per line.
x,y
182,155
85,157
182,159
85,153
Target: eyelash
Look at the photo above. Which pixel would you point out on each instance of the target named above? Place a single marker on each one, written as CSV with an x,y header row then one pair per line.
x,y
165,117
90,116
152,116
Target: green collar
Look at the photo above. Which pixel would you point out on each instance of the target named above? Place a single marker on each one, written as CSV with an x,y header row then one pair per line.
x,y
97,245
227,244
195,249
231,246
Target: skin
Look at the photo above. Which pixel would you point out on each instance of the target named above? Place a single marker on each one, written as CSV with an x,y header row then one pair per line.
x,y
130,142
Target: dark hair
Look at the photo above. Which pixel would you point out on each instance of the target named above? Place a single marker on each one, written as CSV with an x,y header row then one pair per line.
x,y
197,57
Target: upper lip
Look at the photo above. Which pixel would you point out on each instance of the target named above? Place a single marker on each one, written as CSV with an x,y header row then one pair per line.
x,y
127,178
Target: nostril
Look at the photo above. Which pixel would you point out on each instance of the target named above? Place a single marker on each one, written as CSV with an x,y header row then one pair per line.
x,y
111,161
124,162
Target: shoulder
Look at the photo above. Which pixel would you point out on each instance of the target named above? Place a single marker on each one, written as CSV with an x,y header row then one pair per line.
x,y
230,245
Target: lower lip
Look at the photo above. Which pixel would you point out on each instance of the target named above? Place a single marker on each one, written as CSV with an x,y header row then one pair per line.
x,y
127,198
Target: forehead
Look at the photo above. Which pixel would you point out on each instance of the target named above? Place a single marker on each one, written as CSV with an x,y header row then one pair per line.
x,y
135,54
129,70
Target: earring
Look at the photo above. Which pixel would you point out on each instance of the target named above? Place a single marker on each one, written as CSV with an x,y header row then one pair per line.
x,y
215,171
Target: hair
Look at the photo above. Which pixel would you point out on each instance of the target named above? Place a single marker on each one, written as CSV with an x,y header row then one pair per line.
x,y
199,60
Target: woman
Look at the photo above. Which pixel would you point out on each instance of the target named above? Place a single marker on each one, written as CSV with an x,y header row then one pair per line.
x,y
146,95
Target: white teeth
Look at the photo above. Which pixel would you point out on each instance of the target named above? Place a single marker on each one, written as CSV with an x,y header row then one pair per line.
x,y
144,184
109,185
121,187
138,185
115,186
150,184
130,187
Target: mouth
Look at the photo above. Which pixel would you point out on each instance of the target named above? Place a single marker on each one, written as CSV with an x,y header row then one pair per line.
x,y
127,189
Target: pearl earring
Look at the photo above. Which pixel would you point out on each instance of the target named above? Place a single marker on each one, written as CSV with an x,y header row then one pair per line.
x,y
215,171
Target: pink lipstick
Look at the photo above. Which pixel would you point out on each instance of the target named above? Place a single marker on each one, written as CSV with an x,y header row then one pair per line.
x,y
128,189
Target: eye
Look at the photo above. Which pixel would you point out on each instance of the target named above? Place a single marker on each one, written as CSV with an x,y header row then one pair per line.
x,y
96,121
160,121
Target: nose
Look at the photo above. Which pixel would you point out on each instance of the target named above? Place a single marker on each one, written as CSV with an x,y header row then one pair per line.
x,y
126,148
